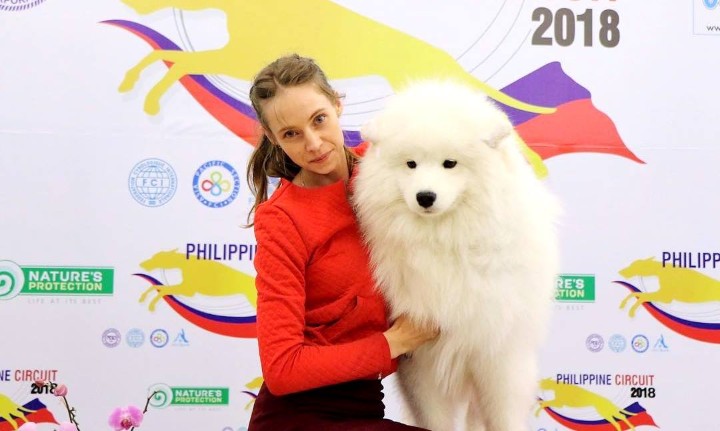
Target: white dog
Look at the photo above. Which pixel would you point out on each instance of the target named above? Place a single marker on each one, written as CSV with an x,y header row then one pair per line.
x,y
462,236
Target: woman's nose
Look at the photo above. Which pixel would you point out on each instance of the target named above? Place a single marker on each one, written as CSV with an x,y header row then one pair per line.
x,y
312,141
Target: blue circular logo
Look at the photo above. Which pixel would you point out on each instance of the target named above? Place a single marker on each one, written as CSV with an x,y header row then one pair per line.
x,y
617,343
111,337
135,337
19,5
159,338
152,182
711,4
640,343
216,184
594,342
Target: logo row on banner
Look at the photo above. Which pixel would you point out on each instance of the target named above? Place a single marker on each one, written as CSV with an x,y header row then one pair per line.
x,y
153,182
672,289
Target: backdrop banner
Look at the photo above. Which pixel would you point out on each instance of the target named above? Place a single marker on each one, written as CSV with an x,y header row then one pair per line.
x,y
125,131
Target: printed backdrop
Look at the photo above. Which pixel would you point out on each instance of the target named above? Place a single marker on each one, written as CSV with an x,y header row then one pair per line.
x,y
124,135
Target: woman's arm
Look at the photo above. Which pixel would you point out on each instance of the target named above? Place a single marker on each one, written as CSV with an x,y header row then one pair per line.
x,y
289,365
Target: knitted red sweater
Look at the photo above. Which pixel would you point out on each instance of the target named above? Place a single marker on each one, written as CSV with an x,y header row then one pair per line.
x,y
320,319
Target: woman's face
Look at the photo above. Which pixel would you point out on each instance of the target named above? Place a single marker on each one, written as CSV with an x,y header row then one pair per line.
x,y
305,123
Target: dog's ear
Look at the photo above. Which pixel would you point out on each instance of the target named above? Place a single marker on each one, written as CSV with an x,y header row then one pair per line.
x,y
498,126
496,139
369,131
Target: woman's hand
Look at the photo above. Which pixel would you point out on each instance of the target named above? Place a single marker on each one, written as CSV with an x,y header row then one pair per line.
x,y
404,336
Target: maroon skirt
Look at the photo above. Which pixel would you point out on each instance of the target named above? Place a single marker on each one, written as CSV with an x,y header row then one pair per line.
x,y
352,406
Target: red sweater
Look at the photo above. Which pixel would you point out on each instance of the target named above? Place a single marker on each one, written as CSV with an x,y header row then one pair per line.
x,y
319,317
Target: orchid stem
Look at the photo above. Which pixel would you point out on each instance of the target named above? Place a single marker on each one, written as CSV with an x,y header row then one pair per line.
x,y
71,413
147,404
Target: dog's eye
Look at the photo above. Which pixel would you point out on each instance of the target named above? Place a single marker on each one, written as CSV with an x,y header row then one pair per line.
x,y
449,164
411,164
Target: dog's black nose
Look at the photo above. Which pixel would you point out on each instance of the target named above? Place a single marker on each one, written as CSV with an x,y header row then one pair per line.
x,y
426,199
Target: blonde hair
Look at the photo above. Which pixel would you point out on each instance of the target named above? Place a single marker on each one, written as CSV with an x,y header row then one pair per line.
x,y
268,159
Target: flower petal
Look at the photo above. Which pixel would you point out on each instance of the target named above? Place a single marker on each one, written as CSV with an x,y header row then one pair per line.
x,y
67,426
136,415
60,391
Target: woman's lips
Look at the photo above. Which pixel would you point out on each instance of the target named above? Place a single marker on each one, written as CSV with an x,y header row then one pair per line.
x,y
321,158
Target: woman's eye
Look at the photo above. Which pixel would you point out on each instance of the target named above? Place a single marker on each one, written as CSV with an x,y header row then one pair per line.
x,y
320,118
289,134
411,164
449,164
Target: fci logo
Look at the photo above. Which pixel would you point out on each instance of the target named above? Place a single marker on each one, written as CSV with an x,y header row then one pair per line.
x,y
711,4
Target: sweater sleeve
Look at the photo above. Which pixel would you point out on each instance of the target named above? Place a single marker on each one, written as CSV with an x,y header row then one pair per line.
x,y
288,363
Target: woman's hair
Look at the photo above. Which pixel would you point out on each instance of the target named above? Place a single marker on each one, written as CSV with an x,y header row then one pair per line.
x,y
268,159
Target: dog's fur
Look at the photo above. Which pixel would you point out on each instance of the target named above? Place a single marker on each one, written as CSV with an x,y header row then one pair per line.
x,y
479,262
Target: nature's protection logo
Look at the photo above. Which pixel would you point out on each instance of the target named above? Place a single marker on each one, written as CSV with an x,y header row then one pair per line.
x,y
207,293
575,288
54,280
177,396
571,398
552,113
676,293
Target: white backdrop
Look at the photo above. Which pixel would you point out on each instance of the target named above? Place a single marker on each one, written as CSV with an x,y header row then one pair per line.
x,y
93,183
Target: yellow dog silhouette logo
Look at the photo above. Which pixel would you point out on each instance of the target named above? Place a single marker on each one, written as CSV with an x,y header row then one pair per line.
x,y
253,385
676,284
261,30
567,395
206,277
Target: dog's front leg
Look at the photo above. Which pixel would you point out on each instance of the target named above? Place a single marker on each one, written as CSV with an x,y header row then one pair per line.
x,y
431,408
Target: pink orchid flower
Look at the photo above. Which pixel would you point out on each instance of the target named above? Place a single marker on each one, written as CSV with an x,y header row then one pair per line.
x,y
28,426
61,391
67,426
124,418
39,383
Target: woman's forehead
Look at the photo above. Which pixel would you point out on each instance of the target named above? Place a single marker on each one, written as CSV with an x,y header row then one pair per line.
x,y
295,105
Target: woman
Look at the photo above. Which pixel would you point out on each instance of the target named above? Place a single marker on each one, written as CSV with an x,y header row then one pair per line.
x,y
322,331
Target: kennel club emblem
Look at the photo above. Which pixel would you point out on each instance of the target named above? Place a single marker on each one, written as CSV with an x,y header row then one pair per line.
x,y
552,113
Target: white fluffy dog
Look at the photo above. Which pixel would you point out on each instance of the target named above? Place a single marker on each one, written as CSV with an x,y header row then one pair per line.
x,y
462,236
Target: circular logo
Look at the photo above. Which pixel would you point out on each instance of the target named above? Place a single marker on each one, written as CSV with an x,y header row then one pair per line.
x,y
152,182
216,184
111,337
159,338
12,280
711,4
617,343
19,5
161,395
594,343
135,337
640,343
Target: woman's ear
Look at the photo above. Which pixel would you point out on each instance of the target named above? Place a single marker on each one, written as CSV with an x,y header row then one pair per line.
x,y
338,106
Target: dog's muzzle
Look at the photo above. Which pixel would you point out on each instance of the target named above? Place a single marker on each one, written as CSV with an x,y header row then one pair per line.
x,y
425,199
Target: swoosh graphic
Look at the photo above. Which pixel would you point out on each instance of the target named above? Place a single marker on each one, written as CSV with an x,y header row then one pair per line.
x,y
641,417
701,331
231,326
